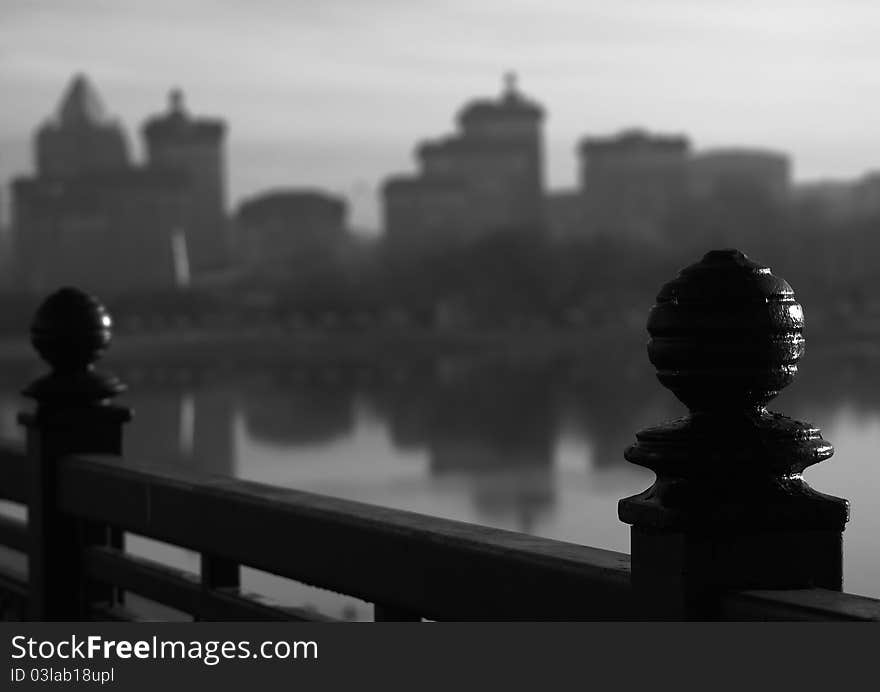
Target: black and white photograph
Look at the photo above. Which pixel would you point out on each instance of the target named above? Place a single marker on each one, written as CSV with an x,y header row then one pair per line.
x,y
474,311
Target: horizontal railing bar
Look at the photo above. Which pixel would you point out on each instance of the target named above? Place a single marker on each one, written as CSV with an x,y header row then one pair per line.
x,y
14,534
439,568
13,473
800,604
172,587
182,590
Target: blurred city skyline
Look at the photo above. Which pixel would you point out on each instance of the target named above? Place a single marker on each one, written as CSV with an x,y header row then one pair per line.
x,y
336,94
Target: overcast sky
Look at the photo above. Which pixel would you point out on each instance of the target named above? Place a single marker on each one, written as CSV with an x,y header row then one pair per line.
x,y
334,93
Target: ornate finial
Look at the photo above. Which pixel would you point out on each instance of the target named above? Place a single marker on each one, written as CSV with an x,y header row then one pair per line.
x,y
70,331
726,333
726,336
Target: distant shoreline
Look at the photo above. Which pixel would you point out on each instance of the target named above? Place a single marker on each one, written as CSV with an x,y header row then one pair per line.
x,y
266,344
342,345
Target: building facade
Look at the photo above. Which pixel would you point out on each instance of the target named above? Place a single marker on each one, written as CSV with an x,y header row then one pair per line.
x,y
484,178
749,172
631,181
423,212
81,138
88,216
276,227
176,141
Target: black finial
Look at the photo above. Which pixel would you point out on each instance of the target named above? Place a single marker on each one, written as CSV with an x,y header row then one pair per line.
x,y
70,331
726,337
726,333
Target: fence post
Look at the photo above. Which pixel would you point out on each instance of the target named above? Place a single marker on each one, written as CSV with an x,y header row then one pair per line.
x,y
728,509
216,573
70,331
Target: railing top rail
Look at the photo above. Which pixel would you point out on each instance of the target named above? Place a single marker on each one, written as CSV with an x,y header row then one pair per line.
x,y
800,604
441,568
601,574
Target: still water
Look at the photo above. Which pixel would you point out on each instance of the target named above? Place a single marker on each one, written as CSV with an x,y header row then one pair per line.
x,y
530,445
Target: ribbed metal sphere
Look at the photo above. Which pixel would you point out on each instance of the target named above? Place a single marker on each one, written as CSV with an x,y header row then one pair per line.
x,y
71,329
726,333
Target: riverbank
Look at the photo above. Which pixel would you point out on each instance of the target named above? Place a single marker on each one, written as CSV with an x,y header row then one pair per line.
x,y
339,346
269,344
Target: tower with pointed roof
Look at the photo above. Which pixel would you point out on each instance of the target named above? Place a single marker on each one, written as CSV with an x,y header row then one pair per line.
x,y
192,145
487,177
89,217
80,137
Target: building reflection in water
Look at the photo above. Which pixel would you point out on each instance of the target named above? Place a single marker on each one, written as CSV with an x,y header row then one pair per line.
x,y
181,420
490,424
490,433
292,407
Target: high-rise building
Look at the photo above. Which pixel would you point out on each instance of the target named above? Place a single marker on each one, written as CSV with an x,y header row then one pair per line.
x,y
108,233
178,141
88,217
276,227
631,181
486,177
738,171
423,212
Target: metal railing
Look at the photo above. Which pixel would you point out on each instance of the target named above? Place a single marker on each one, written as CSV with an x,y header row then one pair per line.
x,y
728,531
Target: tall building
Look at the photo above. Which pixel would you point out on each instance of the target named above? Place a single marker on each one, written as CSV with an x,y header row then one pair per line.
x,y
423,212
631,181
177,141
766,174
486,177
276,227
88,217
108,233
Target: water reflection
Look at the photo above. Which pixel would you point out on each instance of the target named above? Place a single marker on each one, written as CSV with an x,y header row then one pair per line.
x,y
490,425
180,422
479,439
532,445
317,406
